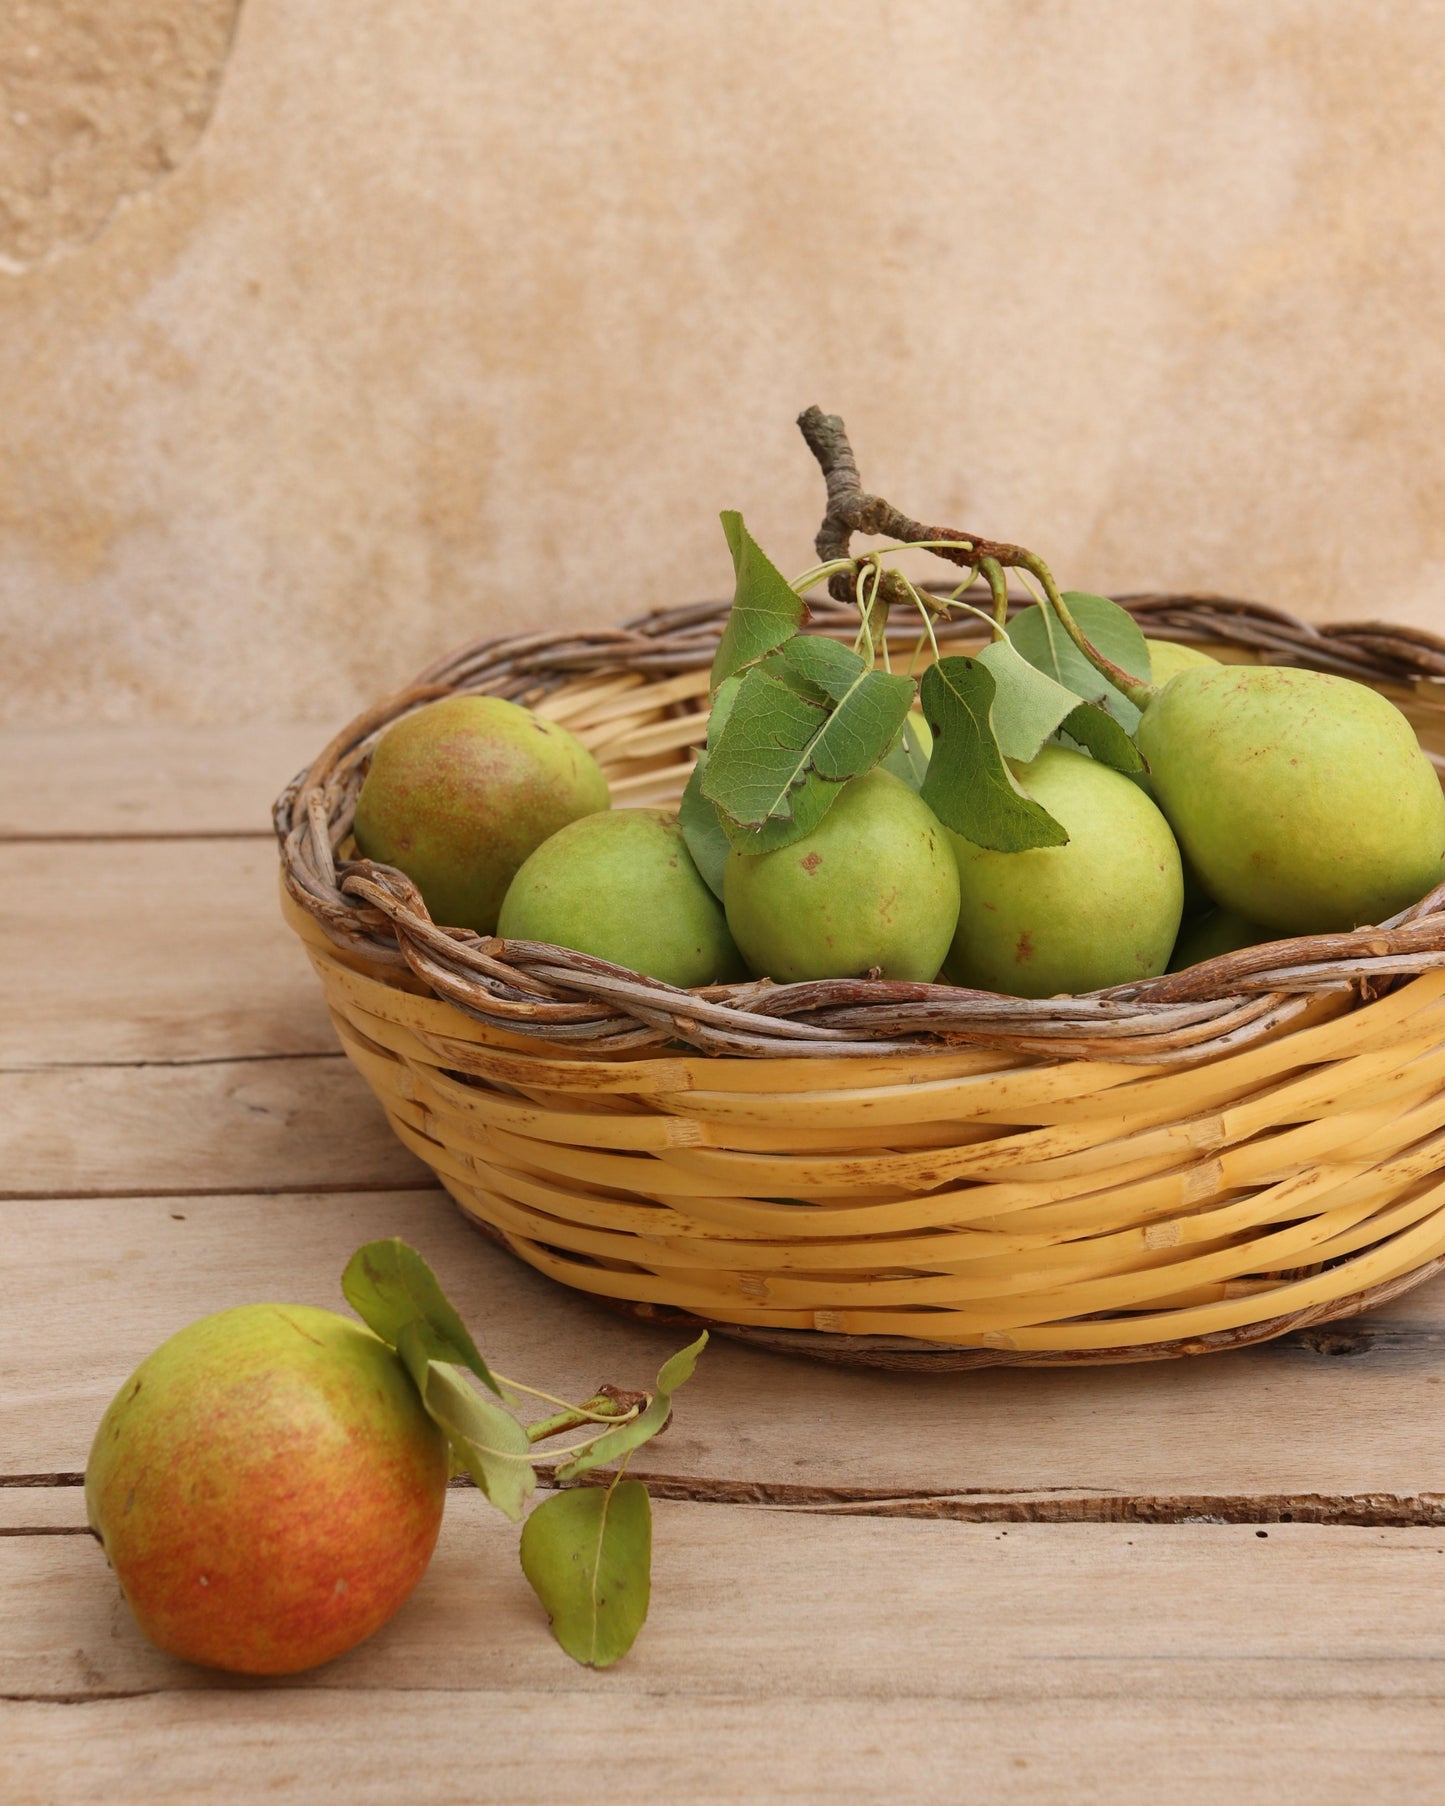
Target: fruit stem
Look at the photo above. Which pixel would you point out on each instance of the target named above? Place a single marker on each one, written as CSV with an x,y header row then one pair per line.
x,y
927,619
604,1407
819,572
872,601
1138,692
992,572
851,509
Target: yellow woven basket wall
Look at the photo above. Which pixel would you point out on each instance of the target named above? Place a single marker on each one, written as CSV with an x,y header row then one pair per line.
x,y
901,1174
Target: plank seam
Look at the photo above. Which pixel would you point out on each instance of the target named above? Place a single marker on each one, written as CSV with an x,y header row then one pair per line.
x,y
1032,1505
134,836
250,1059
317,1187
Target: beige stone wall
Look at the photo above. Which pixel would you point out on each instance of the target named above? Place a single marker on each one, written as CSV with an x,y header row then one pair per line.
x,y
334,333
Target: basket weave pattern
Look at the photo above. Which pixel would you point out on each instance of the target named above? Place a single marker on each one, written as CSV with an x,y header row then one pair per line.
x,y
908,1174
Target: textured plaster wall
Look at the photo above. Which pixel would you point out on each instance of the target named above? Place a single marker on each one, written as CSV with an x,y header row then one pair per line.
x,y
332,334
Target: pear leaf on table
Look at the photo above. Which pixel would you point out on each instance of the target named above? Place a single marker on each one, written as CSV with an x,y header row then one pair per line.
x,y
808,717
969,786
489,1442
587,1554
1038,635
1029,707
391,1288
766,611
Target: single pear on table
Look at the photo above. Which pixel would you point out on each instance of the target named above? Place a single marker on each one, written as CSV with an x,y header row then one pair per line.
x,y
268,1488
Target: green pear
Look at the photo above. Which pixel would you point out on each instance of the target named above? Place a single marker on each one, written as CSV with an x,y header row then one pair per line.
x,y
1303,801
1099,911
622,886
1218,931
461,791
1167,658
874,886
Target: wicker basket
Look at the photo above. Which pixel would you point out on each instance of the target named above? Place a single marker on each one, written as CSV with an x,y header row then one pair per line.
x,y
900,1174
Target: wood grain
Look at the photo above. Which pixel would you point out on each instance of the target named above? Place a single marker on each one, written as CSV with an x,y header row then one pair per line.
x,y
109,781
152,950
666,1749
38,1509
1286,1428
237,1125
902,1660
999,1609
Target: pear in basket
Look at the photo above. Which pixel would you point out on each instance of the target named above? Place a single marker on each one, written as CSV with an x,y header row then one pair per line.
x,y
873,888
1101,910
1167,658
622,886
1303,801
461,791
1216,932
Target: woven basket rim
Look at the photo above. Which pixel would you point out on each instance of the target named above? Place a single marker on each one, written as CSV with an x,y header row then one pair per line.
x,y
589,1008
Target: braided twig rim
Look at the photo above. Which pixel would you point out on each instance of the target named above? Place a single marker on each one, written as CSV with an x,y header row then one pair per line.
x,y
573,1000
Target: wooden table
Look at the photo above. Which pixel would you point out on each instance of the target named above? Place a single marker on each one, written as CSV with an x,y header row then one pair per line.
x,y
1201,1580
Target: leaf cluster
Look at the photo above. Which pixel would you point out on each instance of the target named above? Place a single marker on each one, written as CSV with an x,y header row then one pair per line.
x,y
587,1553
795,716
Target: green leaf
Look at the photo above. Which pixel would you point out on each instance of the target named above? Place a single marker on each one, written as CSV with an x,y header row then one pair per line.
x,y
703,830
969,787
1038,635
1029,707
765,610
587,1554
491,1444
812,800
390,1286
722,707
759,755
675,1372
909,754
778,737
824,665
1028,704
1105,737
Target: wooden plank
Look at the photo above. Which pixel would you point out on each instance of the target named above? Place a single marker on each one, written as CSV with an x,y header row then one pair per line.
x,y
1282,1429
42,1510
149,780
229,1749
275,1125
769,1603
152,950
1115,1663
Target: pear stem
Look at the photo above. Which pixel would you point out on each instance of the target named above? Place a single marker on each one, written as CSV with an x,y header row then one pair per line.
x,y
992,572
605,1408
1138,692
851,509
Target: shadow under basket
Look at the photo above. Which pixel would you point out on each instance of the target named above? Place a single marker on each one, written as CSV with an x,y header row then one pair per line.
x,y
899,1175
